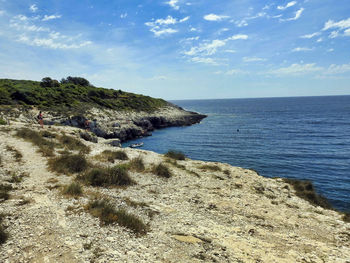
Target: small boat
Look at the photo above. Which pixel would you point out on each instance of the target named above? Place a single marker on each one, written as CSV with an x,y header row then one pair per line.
x,y
135,145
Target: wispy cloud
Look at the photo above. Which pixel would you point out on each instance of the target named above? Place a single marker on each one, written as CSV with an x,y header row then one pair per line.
x,y
51,17
290,4
174,4
296,69
311,35
238,36
209,61
342,24
213,17
124,15
296,17
300,49
51,43
33,8
338,69
160,27
253,59
206,48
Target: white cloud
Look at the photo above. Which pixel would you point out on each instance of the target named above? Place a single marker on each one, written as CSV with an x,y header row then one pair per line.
x,y
290,4
174,4
347,32
319,40
311,35
230,51
241,23
297,15
209,61
20,18
253,59
330,50
238,36
299,49
124,15
2,12
47,18
213,17
297,69
166,31
342,24
235,72
33,8
192,38
159,78
51,43
334,34
338,69
160,26
193,29
206,49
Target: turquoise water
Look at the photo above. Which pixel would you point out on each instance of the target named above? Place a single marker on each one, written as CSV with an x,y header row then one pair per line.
x,y
302,138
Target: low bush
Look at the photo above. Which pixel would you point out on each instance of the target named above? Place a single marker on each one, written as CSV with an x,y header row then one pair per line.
x,y
162,171
2,122
69,163
176,155
111,156
114,176
305,190
210,167
346,217
73,189
74,144
137,164
106,212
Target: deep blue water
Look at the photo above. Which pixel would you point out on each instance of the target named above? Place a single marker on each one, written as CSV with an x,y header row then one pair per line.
x,y
303,138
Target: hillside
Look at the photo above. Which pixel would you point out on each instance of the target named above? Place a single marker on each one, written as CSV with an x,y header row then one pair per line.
x,y
70,96
119,205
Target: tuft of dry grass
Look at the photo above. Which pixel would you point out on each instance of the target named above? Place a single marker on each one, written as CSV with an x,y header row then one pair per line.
x,y
73,189
70,163
136,164
176,155
114,176
74,144
162,171
306,191
16,154
106,212
210,167
4,191
111,156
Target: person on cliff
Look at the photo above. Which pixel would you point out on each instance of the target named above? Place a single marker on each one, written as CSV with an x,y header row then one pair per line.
x,y
41,119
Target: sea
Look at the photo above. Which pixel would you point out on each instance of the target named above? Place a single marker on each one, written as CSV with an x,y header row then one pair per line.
x,y
304,138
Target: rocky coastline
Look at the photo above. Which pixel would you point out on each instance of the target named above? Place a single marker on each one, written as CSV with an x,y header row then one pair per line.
x,y
117,125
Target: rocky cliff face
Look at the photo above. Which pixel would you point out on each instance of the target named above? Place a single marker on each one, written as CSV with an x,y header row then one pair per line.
x,y
120,124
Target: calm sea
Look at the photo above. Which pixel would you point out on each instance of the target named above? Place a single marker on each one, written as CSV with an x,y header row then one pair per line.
x,y
302,138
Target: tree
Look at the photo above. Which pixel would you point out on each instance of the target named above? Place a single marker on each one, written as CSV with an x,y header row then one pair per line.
x,y
48,82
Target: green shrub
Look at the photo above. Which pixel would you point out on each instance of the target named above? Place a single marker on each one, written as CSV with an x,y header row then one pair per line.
x,y
162,171
306,191
106,212
213,168
137,164
74,144
111,156
177,155
2,122
73,189
68,163
115,176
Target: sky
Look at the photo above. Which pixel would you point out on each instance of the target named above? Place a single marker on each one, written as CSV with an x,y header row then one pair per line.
x,y
182,49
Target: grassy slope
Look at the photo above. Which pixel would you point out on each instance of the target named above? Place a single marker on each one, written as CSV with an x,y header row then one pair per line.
x,y
72,97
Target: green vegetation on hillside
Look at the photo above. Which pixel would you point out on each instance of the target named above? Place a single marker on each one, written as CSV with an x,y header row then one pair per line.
x,y
71,94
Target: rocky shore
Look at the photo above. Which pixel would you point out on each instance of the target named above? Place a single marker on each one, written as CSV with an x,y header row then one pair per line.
x,y
118,125
204,212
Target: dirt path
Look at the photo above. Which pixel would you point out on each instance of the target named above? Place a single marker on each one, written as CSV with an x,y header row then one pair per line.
x,y
51,239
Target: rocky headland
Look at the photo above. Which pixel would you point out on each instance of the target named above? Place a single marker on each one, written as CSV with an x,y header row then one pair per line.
x,y
192,211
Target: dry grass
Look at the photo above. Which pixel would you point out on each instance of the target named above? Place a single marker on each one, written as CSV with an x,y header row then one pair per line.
x,y
114,176
16,154
162,171
210,167
74,144
106,212
176,155
70,163
73,189
111,156
136,164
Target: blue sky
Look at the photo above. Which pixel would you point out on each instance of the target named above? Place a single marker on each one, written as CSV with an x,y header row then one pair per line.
x,y
182,49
